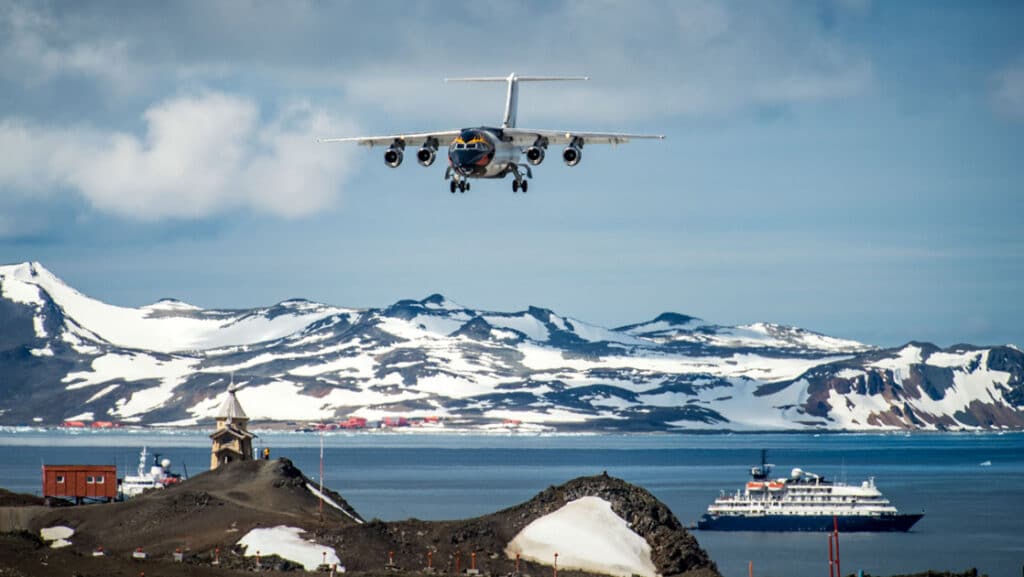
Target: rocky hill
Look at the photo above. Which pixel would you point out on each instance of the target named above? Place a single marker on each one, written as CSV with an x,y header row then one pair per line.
x,y
215,514
65,356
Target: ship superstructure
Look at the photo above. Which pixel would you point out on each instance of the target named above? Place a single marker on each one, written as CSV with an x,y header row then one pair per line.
x,y
803,501
157,476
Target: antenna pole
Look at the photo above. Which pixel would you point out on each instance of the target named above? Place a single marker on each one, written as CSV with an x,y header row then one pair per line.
x,y
321,510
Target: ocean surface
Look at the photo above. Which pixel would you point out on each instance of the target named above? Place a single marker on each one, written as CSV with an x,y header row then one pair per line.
x,y
971,486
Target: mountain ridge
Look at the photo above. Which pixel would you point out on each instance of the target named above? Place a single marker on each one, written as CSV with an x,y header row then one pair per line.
x,y
65,355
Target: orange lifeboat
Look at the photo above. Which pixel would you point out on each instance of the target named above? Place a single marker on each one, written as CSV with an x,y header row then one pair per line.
x,y
776,486
755,486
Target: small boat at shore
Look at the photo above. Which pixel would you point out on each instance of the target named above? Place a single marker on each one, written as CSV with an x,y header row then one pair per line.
x,y
804,501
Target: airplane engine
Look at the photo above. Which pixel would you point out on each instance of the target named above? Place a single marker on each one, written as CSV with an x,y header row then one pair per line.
x,y
393,157
425,156
572,155
535,155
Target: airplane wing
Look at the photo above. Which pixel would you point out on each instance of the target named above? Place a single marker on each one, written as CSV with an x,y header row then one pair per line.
x,y
526,136
418,139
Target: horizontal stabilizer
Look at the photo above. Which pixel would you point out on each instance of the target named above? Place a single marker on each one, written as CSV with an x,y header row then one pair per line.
x,y
512,99
521,78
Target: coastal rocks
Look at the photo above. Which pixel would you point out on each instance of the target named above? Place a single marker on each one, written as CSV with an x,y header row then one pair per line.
x,y
674,551
485,540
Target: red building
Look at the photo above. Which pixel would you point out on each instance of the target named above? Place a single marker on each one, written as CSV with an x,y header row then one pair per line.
x,y
80,482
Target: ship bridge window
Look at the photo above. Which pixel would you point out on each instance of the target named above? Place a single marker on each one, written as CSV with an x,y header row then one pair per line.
x,y
99,480
90,480
60,479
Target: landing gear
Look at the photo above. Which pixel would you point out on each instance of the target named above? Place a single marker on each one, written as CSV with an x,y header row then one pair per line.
x,y
451,186
462,185
520,183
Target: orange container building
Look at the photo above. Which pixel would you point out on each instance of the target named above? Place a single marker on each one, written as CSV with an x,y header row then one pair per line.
x,y
80,482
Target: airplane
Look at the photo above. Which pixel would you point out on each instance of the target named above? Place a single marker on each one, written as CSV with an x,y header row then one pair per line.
x,y
493,152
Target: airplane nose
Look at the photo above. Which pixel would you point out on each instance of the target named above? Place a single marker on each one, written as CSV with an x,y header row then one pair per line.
x,y
468,157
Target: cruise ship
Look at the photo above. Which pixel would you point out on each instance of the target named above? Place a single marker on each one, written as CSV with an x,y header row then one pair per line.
x,y
804,502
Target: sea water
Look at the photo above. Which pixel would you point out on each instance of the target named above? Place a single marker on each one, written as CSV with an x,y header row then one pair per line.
x,y
971,486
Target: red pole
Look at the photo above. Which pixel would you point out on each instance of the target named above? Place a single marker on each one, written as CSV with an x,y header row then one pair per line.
x,y
472,560
430,560
835,527
517,563
458,561
555,573
750,569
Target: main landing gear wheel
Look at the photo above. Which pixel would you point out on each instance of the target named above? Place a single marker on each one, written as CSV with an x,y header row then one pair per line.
x,y
525,186
515,186
451,186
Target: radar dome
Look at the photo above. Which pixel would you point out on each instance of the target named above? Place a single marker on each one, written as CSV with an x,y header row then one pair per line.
x,y
797,472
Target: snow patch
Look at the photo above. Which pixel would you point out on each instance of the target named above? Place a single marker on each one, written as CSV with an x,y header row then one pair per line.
x,y
286,543
587,535
526,324
57,536
88,416
327,499
901,363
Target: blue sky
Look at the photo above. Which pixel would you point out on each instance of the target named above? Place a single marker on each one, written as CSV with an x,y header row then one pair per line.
x,y
850,167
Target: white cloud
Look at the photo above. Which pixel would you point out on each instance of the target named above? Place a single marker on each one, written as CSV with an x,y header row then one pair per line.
x,y
37,48
1008,91
200,155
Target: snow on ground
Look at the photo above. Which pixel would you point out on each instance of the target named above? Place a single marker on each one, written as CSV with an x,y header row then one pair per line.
x,y
503,335
285,542
980,385
741,407
358,366
550,416
596,334
327,499
14,288
455,387
853,411
283,400
763,368
900,364
440,325
955,360
587,535
526,324
155,327
131,367
87,416
135,367
57,535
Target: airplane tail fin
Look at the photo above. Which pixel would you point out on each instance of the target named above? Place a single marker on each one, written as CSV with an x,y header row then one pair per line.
x,y
512,99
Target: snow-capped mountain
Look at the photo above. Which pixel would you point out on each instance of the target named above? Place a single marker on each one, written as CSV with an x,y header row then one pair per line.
x,y
66,356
